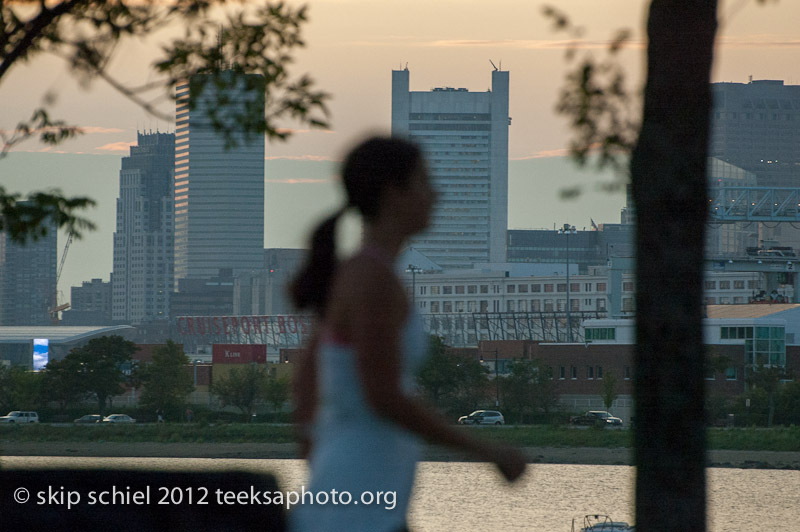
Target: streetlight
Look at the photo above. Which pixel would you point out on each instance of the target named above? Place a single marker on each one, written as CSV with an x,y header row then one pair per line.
x,y
568,230
496,380
413,270
194,367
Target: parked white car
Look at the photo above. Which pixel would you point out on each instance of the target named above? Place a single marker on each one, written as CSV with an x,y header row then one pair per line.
x,y
482,417
20,416
118,418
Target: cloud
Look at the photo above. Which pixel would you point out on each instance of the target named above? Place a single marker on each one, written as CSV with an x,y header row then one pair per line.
x,y
291,131
758,41
300,158
532,44
88,130
116,146
559,152
298,180
524,44
740,41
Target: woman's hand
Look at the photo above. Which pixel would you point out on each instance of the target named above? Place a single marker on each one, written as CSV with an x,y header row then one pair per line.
x,y
510,461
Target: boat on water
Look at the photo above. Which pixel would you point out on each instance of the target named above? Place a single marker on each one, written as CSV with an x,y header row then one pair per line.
x,y
600,523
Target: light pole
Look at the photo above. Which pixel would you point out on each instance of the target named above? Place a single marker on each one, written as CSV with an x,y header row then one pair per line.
x,y
496,380
413,270
194,392
568,230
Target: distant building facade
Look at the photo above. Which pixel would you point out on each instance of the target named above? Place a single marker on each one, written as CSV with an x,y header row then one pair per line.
x,y
90,304
218,186
210,296
730,238
266,291
584,248
28,279
466,306
465,138
142,278
756,126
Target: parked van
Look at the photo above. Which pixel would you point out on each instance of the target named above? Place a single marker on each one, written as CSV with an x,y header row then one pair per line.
x,y
19,416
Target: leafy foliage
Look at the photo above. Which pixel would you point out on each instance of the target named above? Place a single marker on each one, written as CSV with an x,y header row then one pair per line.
x,y
769,380
528,389
610,392
276,391
242,388
166,380
453,384
251,38
99,365
20,389
29,219
597,103
63,382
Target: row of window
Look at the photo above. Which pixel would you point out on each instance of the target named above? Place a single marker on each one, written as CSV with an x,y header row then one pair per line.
x,y
521,305
600,333
737,285
590,372
760,116
516,288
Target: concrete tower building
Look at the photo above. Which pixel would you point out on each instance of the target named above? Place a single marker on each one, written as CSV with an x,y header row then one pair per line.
x,y
28,279
219,187
143,242
465,138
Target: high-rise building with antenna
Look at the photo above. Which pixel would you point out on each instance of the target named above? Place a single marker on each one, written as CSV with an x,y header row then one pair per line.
x,y
218,184
465,138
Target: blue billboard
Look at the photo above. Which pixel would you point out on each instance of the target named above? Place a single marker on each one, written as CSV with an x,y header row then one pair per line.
x,y
41,353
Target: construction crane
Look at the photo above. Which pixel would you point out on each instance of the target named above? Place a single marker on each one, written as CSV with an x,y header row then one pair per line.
x,y
56,307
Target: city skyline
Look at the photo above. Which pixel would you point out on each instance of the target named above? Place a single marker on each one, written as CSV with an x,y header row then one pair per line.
x,y
341,49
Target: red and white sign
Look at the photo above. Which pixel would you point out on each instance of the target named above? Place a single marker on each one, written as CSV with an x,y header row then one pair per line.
x,y
239,353
241,325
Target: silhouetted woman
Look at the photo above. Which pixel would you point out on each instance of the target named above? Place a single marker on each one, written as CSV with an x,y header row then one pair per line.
x,y
353,388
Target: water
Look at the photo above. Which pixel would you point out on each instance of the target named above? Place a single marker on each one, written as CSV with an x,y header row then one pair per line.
x,y
468,496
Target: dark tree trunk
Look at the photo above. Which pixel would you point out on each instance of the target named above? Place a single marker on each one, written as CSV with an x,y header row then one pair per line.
x,y
668,171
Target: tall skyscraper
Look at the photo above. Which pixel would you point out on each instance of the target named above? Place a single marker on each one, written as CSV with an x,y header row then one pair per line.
x,y
219,187
465,138
28,279
143,242
756,126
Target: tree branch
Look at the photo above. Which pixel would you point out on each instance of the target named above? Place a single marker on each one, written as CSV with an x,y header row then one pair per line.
x,y
34,29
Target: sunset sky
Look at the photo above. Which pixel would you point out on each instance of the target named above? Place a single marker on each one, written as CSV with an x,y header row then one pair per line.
x,y
352,46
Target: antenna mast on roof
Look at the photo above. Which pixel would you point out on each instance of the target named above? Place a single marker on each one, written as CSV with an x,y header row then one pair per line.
x,y
495,66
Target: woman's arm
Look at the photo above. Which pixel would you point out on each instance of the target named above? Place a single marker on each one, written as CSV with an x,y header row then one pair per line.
x,y
377,310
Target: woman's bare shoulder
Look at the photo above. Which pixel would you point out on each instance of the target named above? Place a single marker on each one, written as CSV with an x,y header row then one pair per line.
x,y
363,283
359,274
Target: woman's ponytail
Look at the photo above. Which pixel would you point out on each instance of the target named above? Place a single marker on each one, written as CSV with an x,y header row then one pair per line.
x,y
311,287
